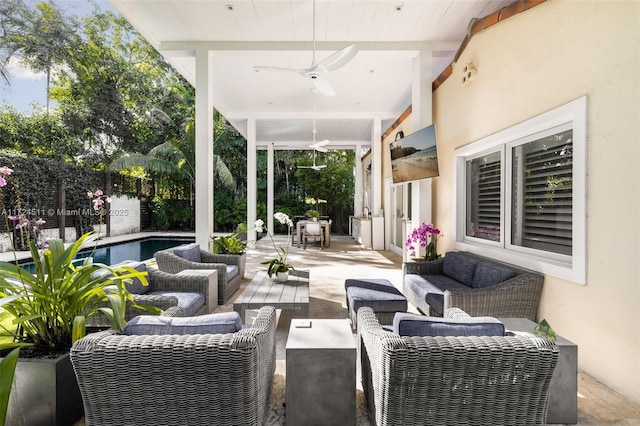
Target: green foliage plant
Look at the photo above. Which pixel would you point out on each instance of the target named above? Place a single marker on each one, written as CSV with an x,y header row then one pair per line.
x,y
242,228
228,244
7,370
170,214
312,214
544,329
45,303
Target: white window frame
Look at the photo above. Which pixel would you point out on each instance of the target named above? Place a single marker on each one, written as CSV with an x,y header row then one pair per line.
x,y
573,268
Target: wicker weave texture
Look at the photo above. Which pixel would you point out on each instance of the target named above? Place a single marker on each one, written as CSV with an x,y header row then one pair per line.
x,y
171,263
518,297
215,379
454,380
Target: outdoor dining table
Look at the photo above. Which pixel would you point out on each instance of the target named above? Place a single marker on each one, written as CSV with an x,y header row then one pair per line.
x,y
324,224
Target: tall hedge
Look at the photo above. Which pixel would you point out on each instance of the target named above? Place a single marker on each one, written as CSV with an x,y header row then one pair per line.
x,y
35,185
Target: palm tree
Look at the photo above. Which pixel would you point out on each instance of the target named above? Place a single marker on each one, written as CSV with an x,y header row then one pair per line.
x,y
174,158
13,21
42,37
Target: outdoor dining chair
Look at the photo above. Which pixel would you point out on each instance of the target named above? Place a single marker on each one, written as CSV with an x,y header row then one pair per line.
x,y
312,230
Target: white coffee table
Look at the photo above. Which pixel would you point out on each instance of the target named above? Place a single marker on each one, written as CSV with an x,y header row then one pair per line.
x,y
321,373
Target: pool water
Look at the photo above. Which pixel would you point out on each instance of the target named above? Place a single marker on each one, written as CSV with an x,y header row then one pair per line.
x,y
131,250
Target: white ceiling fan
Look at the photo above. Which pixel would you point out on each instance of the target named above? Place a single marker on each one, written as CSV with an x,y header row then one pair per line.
x,y
317,71
315,166
317,147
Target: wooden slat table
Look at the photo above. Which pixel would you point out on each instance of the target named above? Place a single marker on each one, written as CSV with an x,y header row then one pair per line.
x,y
265,291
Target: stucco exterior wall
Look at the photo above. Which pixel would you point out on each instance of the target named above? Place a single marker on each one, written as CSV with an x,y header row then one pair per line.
x,y
531,63
125,215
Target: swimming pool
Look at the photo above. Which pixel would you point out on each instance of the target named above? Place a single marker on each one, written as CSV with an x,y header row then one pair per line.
x,y
130,250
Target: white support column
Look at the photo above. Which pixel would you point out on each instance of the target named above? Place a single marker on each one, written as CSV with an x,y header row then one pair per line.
x,y
359,183
270,189
421,115
376,167
252,183
204,149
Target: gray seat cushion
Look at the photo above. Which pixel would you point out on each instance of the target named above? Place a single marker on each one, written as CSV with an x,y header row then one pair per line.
x,y
406,324
220,323
380,301
189,252
380,284
232,272
488,274
459,267
190,303
430,288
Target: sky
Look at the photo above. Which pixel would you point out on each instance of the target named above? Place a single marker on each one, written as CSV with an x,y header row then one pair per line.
x,y
28,89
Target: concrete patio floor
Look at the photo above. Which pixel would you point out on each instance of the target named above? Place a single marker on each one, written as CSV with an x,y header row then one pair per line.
x,y
597,403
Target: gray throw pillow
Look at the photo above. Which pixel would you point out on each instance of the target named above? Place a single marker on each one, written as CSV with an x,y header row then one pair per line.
x,y
219,323
459,267
488,274
136,286
189,252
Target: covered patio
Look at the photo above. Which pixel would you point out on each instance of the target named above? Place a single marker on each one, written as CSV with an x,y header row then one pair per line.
x,y
217,45
531,57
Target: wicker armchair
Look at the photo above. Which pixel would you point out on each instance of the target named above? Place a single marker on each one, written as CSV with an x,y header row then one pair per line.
x,y
163,282
517,297
208,379
454,380
174,294
172,263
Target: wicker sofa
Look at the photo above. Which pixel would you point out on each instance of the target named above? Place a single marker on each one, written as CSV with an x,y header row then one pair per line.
x,y
478,285
171,379
230,267
466,380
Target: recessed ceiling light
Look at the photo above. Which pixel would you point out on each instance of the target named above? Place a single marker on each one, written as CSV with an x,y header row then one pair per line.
x,y
229,7
399,7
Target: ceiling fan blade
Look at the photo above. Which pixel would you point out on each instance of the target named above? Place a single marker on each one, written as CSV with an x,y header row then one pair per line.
x,y
338,59
322,86
319,167
319,146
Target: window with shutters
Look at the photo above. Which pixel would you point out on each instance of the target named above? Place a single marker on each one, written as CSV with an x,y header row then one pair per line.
x,y
484,197
541,193
521,193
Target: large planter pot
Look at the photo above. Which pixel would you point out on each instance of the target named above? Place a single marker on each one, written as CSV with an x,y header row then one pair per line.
x,y
44,392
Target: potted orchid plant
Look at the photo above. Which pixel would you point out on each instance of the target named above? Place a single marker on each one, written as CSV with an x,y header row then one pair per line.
x,y
279,266
425,236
